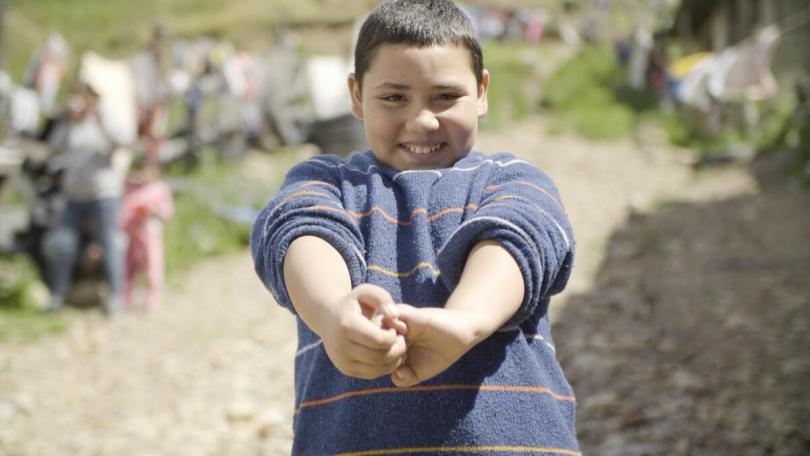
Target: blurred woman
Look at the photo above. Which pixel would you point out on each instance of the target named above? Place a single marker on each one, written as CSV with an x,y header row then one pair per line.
x,y
92,189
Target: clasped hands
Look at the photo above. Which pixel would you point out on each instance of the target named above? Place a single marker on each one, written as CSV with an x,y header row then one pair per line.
x,y
369,336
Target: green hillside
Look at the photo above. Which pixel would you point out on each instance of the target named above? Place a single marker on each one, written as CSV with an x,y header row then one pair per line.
x,y
118,28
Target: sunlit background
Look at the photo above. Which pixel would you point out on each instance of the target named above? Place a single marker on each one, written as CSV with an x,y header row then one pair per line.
x,y
677,131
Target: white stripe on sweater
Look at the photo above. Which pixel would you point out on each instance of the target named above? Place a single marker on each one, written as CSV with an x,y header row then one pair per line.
x,y
540,338
368,170
503,222
344,165
278,206
308,347
541,210
490,161
529,336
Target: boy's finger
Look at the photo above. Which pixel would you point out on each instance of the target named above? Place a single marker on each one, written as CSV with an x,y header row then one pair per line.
x,y
365,355
369,372
412,318
406,311
404,376
375,297
364,332
396,324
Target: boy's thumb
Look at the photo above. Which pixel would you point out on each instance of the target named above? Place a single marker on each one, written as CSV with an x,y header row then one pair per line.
x,y
375,297
404,376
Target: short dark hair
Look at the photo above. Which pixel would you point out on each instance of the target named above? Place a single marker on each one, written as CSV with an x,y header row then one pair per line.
x,y
419,23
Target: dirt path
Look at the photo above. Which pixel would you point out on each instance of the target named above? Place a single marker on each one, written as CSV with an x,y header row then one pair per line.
x,y
693,337
210,372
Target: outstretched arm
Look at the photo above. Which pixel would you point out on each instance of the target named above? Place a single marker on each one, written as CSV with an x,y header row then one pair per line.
x,y
319,287
489,293
521,209
490,290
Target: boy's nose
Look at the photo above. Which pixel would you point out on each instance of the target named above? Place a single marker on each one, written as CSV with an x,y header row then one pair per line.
x,y
424,120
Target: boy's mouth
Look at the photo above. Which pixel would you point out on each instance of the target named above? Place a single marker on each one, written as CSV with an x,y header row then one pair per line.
x,y
422,149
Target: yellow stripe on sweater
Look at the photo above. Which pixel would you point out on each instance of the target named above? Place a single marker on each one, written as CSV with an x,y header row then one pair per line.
x,y
463,449
302,193
378,209
424,264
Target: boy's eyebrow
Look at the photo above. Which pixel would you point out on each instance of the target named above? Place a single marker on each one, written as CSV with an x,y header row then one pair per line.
x,y
391,85
443,86
450,85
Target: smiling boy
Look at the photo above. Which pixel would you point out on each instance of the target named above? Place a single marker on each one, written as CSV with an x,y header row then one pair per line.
x,y
420,271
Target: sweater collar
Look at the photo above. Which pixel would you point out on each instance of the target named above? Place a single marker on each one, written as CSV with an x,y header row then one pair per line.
x,y
368,160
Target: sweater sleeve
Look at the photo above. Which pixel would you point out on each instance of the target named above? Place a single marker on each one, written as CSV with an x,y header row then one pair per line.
x,y
520,208
309,203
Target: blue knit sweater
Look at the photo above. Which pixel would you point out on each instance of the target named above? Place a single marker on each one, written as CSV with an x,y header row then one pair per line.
x,y
410,233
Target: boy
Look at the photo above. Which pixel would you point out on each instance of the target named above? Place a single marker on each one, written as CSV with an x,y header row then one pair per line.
x,y
473,246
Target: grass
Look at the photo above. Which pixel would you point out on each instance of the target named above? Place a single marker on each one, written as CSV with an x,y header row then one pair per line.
x,y
197,231
29,325
510,74
803,140
588,95
515,80
685,129
201,227
120,28
21,298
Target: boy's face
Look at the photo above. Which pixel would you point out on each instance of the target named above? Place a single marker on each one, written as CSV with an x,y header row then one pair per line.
x,y
420,106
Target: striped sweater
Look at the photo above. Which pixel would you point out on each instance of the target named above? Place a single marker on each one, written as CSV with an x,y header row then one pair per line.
x,y
410,232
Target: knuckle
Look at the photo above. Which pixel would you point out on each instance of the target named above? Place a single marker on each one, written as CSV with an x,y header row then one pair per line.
x,y
345,324
381,341
382,359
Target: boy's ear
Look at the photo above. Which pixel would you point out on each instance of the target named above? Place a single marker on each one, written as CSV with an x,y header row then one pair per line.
x,y
357,97
483,105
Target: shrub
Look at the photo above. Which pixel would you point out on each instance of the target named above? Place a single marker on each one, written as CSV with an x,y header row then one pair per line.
x,y
589,95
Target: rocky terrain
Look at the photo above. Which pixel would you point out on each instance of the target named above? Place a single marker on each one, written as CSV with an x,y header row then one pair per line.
x,y
684,330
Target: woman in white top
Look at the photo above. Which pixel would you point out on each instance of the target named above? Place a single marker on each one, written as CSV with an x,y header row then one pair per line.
x,y
93,190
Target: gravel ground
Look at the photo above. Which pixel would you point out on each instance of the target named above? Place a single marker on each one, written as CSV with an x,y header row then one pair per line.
x,y
684,329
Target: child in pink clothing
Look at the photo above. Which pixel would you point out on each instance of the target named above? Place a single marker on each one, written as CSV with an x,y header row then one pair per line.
x,y
147,204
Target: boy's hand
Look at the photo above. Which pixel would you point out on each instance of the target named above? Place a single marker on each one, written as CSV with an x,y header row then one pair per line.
x,y
488,294
437,338
362,333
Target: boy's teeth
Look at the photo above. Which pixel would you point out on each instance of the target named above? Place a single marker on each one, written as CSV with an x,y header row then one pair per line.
x,y
422,149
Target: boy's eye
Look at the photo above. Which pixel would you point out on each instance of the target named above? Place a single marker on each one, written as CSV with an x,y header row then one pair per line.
x,y
393,98
448,96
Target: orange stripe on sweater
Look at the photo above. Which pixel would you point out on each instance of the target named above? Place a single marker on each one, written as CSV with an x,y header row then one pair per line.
x,y
464,449
419,389
449,210
528,184
330,208
385,215
317,182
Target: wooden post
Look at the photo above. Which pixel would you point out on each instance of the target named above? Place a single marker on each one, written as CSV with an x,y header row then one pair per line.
x,y
2,34
767,15
719,27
